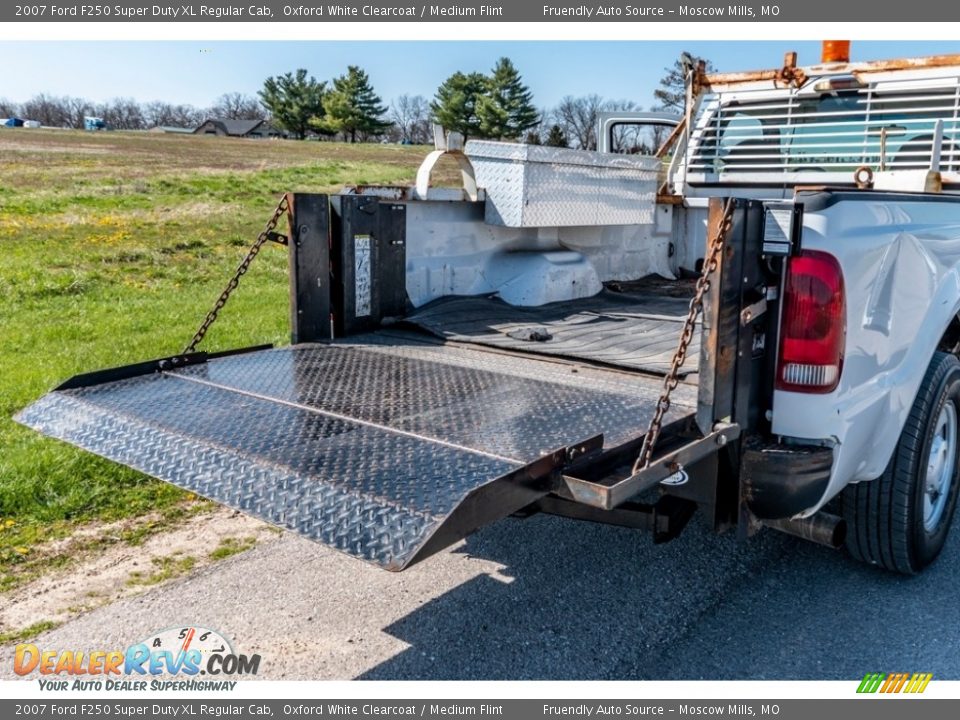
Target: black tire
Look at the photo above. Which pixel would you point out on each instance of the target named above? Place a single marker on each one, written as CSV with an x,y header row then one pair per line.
x,y
885,517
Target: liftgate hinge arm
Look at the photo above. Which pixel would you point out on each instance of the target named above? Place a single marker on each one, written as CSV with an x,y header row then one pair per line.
x,y
752,312
609,496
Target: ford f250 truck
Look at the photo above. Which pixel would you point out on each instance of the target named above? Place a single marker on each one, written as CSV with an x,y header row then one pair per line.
x,y
528,343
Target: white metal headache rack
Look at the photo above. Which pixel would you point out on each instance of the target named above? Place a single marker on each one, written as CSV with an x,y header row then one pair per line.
x,y
771,133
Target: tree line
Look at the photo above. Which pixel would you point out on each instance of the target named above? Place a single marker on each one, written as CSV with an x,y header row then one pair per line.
x,y
497,105
127,114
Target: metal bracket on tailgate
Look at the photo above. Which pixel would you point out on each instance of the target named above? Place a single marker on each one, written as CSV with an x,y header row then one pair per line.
x,y
126,372
502,497
610,495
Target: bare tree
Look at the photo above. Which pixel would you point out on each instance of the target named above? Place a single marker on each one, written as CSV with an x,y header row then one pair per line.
x,y
122,114
49,110
411,115
75,110
8,108
577,117
187,116
166,114
157,113
625,137
237,106
538,134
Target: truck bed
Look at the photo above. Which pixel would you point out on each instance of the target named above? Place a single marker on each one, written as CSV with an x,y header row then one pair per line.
x,y
388,446
636,330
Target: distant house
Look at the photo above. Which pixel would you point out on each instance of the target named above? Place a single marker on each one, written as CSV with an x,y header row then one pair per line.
x,y
238,128
11,122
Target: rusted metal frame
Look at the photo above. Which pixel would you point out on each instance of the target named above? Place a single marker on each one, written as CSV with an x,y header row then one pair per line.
x,y
666,518
720,326
754,367
608,495
309,259
720,386
672,138
614,463
638,516
751,393
505,496
664,196
715,81
681,143
723,382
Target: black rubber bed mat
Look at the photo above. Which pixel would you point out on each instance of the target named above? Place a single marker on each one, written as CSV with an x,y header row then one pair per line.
x,y
385,448
638,332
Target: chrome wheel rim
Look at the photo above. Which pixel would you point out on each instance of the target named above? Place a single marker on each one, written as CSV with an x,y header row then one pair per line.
x,y
941,464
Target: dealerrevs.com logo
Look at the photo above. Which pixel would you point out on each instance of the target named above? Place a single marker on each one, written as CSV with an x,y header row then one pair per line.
x,y
183,658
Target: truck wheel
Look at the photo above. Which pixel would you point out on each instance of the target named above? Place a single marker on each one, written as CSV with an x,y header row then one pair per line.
x,y
900,520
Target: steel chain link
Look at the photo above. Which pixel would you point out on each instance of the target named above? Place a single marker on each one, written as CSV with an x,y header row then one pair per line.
x,y
672,379
281,210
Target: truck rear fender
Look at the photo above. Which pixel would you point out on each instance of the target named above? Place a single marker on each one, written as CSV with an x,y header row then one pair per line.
x,y
900,256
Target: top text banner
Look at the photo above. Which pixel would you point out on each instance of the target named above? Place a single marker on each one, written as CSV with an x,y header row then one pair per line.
x,y
509,11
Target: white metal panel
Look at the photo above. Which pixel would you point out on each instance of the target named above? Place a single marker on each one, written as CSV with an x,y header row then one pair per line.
x,y
451,251
901,265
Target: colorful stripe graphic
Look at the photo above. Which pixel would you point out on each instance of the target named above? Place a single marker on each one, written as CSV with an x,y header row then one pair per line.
x,y
894,682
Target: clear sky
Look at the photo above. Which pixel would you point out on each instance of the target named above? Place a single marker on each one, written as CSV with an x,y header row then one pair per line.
x,y
198,72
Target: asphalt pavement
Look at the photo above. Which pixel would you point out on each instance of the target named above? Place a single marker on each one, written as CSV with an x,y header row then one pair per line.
x,y
548,598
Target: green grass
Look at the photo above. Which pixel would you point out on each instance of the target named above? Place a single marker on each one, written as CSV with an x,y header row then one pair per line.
x,y
112,247
166,568
15,636
26,553
232,546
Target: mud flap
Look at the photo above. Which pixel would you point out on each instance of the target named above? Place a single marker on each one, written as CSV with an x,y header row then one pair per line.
x,y
385,451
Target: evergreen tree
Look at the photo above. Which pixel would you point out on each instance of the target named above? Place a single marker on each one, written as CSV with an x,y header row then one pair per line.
x,y
293,99
353,107
557,138
455,104
506,110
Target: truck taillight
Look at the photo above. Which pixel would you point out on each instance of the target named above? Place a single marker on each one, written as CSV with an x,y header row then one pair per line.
x,y
814,325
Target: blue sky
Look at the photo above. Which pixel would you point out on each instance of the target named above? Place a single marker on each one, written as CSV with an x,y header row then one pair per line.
x,y
197,72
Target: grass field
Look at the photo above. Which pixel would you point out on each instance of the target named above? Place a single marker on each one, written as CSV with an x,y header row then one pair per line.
x,y
113,247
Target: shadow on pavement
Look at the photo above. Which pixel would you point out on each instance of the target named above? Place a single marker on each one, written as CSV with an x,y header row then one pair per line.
x,y
580,601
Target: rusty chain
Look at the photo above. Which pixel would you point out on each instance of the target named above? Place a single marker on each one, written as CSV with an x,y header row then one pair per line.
x,y
672,379
268,233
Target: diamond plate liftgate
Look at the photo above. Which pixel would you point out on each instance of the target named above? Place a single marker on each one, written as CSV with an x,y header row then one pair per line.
x,y
386,446
385,449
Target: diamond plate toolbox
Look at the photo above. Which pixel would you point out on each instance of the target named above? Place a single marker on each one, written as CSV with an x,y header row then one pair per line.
x,y
536,186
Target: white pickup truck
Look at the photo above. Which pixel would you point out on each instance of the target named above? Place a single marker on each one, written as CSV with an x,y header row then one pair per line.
x,y
527,343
